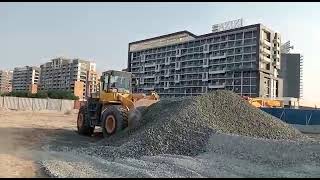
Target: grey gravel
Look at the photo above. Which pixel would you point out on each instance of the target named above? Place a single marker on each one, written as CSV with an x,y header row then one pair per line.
x,y
213,135
225,156
183,126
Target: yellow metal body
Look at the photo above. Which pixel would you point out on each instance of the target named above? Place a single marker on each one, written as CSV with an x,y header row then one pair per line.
x,y
261,102
125,99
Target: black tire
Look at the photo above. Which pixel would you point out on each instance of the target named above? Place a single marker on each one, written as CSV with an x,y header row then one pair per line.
x,y
119,114
83,125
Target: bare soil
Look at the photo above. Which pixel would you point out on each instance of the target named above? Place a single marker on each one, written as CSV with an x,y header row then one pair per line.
x,y
23,133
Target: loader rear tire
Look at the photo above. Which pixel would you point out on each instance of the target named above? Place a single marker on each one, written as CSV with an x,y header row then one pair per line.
x,y
83,123
114,119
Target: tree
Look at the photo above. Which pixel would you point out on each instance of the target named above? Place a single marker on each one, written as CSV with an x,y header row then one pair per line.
x,y
53,94
42,94
19,93
62,94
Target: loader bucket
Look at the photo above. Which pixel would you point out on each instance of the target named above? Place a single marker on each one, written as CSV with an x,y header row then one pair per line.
x,y
135,114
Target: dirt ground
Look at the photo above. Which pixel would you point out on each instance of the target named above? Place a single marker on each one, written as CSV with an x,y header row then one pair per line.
x,y
22,133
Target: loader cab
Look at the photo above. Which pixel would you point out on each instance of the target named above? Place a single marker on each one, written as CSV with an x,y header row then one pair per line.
x,y
116,81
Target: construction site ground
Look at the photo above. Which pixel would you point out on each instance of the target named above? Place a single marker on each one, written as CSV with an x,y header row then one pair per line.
x,y
23,133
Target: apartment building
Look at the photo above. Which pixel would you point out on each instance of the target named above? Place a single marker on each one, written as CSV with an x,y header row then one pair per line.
x,y
245,60
5,81
66,74
291,73
93,80
26,79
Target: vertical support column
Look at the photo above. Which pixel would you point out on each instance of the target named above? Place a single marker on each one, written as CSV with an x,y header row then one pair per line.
x,y
271,88
47,103
32,102
61,105
241,81
18,103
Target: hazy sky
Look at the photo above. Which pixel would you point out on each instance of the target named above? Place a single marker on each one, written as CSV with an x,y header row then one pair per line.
x,y
32,33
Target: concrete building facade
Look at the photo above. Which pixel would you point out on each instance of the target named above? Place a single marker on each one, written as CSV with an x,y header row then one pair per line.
x,y
66,74
245,60
25,78
93,81
5,81
291,73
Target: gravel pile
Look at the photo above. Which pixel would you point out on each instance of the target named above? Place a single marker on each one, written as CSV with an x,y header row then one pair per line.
x,y
174,132
225,156
183,126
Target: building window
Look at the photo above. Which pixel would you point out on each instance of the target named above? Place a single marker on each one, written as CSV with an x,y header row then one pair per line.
x,y
239,36
248,34
232,37
254,33
239,43
238,50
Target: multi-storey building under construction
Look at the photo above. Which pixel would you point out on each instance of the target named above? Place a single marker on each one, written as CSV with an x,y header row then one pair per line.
x,y
245,60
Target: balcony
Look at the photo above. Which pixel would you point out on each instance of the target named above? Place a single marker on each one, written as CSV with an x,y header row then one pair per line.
x,y
149,76
156,81
265,59
190,65
266,51
191,72
177,66
277,63
218,57
275,48
211,71
217,86
148,88
276,40
205,76
143,58
193,85
267,43
276,56
178,53
150,65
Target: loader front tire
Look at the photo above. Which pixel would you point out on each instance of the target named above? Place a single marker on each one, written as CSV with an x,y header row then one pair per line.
x,y
114,119
83,123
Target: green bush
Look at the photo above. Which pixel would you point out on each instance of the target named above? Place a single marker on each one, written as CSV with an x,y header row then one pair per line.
x,y
53,94
42,94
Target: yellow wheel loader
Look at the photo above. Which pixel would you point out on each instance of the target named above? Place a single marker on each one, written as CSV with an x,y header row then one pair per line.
x,y
264,102
114,107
